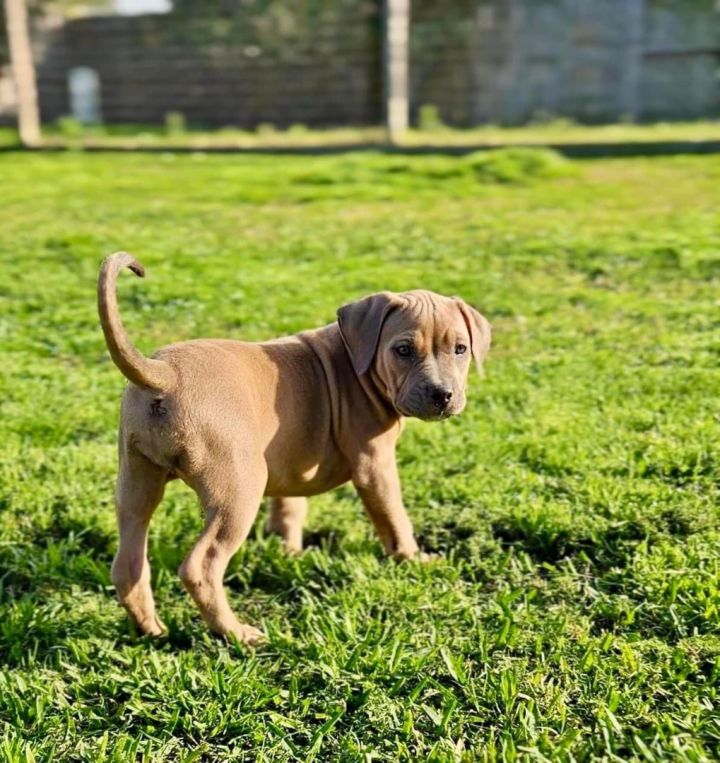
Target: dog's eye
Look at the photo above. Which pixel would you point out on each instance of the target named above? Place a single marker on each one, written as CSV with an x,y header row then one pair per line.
x,y
460,349
404,350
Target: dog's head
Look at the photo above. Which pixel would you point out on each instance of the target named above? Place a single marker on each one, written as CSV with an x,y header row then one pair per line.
x,y
418,345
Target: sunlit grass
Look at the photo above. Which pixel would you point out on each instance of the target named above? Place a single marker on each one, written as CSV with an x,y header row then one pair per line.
x,y
68,132
575,614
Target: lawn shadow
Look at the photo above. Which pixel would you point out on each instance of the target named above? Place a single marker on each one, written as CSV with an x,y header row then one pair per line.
x,y
326,539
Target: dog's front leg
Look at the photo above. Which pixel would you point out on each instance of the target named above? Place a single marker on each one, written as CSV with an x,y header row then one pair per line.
x,y
378,484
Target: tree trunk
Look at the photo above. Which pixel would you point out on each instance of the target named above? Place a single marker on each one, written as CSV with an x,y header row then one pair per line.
x,y
23,68
396,65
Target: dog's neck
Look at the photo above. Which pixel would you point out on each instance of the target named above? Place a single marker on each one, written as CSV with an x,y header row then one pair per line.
x,y
376,390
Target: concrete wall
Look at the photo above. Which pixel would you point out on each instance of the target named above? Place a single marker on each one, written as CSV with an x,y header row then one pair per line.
x,y
680,68
477,61
511,61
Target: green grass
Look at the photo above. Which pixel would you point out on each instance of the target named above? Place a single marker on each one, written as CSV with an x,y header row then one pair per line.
x,y
9,138
68,132
575,614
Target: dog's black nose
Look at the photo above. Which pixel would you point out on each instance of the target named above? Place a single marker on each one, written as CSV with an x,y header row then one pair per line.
x,y
441,396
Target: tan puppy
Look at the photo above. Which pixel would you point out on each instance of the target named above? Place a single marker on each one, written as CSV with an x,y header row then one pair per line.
x,y
288,418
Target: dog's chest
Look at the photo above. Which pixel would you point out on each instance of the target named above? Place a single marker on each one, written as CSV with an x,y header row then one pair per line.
x,y
301,479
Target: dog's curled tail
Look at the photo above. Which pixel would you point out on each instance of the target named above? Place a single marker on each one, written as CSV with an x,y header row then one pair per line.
x,y
145,372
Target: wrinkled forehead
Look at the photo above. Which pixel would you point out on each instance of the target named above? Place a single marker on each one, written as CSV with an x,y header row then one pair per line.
x,y
425,314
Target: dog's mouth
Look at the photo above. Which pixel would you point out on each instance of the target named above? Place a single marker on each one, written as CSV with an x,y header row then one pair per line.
x,y
426,415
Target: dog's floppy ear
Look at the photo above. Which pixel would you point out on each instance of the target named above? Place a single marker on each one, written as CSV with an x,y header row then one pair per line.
x,y
360,325
479,329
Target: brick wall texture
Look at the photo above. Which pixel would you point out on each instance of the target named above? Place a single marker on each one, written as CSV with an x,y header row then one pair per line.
x,y
320,63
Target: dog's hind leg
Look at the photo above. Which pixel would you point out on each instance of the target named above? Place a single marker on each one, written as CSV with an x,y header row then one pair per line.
x,y
231,502
140,488
286,519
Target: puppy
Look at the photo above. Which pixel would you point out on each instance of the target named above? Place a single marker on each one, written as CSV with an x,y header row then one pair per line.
x,y
288,418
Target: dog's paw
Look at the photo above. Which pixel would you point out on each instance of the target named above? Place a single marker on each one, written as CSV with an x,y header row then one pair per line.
x,y
159,628
153,628
246,634
414,555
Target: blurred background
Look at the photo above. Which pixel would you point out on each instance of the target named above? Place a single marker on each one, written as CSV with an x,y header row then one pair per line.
x,y
361,68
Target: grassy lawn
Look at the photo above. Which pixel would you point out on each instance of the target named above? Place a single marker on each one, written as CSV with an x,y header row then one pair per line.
x,y
575,614
67,132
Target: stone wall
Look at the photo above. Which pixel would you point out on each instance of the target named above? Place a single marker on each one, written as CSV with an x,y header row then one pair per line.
x,y
477,61
315,69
